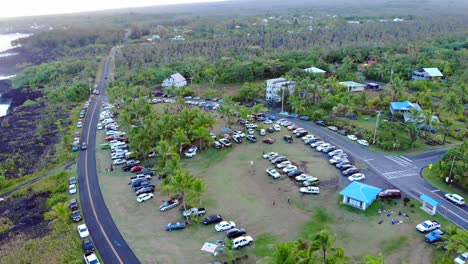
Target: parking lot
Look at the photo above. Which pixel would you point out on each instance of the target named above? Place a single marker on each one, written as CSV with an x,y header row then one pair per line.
x,y
270,210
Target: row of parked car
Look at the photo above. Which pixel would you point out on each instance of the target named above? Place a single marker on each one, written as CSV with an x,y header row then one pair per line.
x,y
83,232
284,165
344,132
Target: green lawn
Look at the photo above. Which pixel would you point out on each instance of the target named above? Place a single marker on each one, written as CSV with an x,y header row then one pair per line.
x,y
432,178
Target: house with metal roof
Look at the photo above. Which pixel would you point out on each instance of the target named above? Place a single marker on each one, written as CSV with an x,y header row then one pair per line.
x,y
427,74
354,86
175,80
315,70
359,195
405,108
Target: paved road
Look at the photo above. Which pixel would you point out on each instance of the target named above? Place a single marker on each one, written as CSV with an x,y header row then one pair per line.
x,y
402,172
107,238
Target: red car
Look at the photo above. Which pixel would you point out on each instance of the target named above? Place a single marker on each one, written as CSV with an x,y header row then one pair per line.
x,y
137,168
268,141
109,138
122,139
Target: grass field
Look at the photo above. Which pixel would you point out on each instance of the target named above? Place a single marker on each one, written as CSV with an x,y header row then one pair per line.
x,y
246,195
432,178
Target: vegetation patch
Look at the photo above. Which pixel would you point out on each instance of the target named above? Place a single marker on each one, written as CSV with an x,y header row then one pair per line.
x,y
393,245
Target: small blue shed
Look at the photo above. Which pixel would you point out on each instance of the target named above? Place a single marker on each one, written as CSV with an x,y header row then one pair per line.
x,y
429,205
359,195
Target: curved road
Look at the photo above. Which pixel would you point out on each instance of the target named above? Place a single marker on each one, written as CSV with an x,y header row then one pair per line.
x,y
402,172
106,236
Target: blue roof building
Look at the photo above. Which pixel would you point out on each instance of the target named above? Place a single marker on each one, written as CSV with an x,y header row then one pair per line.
x,y
359,195
404,108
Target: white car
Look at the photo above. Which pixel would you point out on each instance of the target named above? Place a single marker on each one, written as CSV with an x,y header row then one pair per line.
x,y
289,168
316,144
242,241
119,161
144,196
303,177
191,152
283,164
352,137
262,132
251,131
269,155
310,190
286,124
335,152
91,259
311,181
333,128
83,231
462,259
273,173
281,121
307,137
337,159
213,136
276,127
321,147
356,177
455,198
268,121
239,133
251,126
72,188
99,126
79,125
363,142
224,225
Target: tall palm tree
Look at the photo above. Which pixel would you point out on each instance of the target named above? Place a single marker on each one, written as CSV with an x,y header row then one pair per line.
x,y
171,165
180,138
198,188
396,88
455,240
287,253
451,104
181,182
324,242
446,124
165,151
201,134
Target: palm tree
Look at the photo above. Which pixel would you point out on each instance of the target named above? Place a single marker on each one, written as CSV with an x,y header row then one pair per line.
x,y
451,104
198,188
324,242
455,240
396,88
165,151
287,253
171,165
180,138
379,259
181,182
202,135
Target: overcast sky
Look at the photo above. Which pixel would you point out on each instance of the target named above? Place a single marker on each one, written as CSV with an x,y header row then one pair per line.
x,y
15,8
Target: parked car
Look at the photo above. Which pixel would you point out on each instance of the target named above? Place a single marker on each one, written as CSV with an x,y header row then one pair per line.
x,y
242,241
136,168
72,188
119,161
295,173
237,139
283,164
251,138
310,190
175,226
343,132
356,177
288,138
427,226
390,193
218,145
212,219
363,142
73,204
91,258
323,146
328,149
320,123
346,166
83,231
225,142
262,132
303,177
144,197
72,180
76,216
311,140
147,189
269,155
335,152
455,198
276,127
350,171
239,133
191,152
224,225
194,211
333,128
343,163
168,205
311,182
301,134
84,146
88,245
278,160
268,141
132,162
289,168
434,236
235,232
305,118
462,259
273,173
271,130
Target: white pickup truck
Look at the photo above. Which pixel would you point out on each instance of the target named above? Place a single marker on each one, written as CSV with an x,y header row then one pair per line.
x,y
427,226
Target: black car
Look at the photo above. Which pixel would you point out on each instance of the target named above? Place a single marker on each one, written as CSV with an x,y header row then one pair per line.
x,y
146,189
288,138
235,232
143,185
251,138
271,130
299,135
350,171
76,216
279,160
351,116
127,167
242,121
343,132
73,204
311,140
212,219
295,173
346,166
320,123
88,245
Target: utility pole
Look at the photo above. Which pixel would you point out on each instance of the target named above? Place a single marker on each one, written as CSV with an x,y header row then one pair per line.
x,y
391,76
282,99
451,169
376,125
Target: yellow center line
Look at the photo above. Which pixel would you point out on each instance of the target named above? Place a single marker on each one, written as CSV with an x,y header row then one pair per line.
x,y
89,190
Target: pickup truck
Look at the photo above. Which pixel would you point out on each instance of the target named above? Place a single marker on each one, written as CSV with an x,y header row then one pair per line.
x,y
434,236
427,226
91,259
194,211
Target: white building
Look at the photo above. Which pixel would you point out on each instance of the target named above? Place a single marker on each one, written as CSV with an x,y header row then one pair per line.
x,y
275,86
354,86
176,80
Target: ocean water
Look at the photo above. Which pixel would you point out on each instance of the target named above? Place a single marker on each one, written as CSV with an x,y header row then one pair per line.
x,y
5,40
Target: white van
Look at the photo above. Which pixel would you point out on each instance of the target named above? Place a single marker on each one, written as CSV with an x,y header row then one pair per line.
x,y
119,145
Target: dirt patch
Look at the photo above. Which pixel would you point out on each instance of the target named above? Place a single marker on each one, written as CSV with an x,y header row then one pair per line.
x,y
26,215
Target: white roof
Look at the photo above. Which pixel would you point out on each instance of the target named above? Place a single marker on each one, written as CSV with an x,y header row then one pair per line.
x,y
352,84
178,77
314,70
433,72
